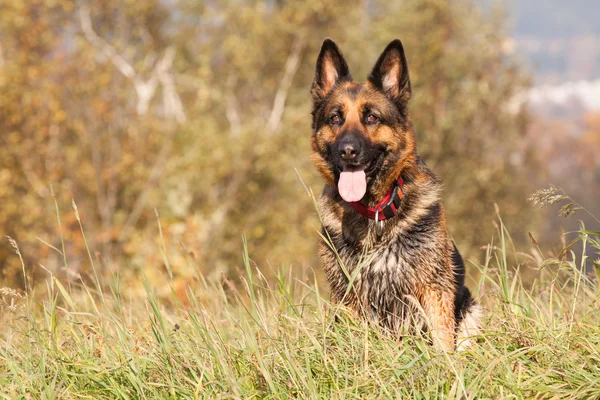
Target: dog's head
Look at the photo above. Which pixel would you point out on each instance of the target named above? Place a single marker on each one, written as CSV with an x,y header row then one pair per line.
x,y
362,136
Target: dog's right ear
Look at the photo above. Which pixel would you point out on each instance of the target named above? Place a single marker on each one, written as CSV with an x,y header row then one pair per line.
x,y
331,69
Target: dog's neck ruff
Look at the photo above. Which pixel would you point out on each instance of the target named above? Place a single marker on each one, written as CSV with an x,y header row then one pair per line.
x,y
386,208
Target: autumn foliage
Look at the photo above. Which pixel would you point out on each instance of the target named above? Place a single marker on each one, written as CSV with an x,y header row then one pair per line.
x,y
196,115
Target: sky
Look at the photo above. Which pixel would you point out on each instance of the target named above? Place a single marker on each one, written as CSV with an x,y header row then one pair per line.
x,y
559,40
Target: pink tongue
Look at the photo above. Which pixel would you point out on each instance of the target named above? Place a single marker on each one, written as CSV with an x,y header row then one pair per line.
x,y
352,184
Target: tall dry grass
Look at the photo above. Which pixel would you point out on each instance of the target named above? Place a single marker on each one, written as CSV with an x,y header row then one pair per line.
x,y
282,338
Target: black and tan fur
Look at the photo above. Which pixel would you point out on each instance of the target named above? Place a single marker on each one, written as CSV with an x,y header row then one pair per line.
x,y
411,274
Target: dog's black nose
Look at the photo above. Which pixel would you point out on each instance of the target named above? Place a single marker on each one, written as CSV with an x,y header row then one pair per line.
x,y
349,149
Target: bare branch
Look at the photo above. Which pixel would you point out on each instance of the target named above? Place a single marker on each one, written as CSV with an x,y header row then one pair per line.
x,y
291,67
171,100
231,111
145,89
233,116
109,51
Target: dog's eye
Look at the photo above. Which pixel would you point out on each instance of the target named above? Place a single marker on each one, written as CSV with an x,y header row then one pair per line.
x,y
335,119
372,119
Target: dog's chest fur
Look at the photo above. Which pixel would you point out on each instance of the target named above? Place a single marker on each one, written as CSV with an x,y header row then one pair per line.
x,y
390,271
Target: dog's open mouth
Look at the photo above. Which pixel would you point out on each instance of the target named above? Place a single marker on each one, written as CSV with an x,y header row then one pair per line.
x,y
352,184
371,168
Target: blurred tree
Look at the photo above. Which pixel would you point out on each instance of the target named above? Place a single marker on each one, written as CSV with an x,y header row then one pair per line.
x,y
201,110
77,114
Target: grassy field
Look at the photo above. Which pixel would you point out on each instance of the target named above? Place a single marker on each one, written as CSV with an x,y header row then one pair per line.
x,y
281,338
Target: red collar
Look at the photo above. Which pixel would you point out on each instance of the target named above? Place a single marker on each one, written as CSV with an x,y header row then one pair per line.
x,y
386,208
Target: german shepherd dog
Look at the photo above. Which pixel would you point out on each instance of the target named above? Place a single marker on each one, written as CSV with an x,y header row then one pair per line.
x,y
386,251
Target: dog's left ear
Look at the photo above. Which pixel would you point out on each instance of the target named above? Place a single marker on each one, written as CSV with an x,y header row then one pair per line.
x,y
390,73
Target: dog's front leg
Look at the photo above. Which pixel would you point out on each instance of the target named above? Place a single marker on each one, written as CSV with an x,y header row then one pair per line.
x,y
438,306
